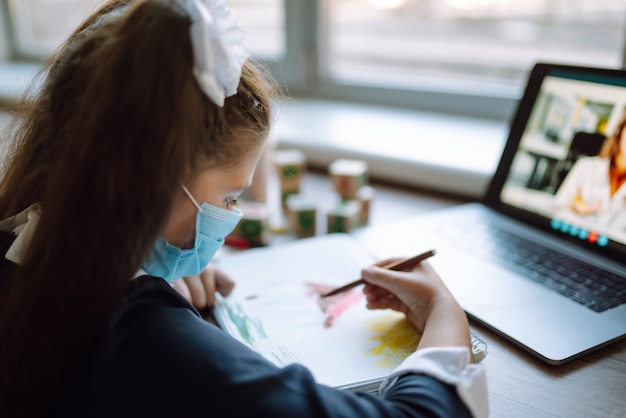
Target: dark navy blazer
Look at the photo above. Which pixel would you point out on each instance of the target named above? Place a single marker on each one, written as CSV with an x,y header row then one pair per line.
x,y
160,358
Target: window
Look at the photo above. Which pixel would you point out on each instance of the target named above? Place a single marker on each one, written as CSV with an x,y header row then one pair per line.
x,y
469,56
264,23
493,41
454,54
39,26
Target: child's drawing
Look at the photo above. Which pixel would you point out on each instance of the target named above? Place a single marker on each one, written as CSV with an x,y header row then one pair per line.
x,y
396,338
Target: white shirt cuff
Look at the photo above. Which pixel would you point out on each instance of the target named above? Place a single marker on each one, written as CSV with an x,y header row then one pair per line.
x,y
450,365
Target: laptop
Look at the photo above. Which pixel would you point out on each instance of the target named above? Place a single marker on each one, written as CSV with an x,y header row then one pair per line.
x,y
542,258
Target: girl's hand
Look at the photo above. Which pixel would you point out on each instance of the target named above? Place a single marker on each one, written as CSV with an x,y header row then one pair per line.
x,y
425,300
412,293
200,290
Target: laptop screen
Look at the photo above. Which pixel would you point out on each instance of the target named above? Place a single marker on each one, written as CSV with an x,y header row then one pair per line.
x,y
564,166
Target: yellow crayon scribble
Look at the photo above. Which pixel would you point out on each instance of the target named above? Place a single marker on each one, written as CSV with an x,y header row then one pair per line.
x,y
396,338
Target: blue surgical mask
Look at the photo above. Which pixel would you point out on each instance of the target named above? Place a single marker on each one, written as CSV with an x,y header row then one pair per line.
x,y
213,224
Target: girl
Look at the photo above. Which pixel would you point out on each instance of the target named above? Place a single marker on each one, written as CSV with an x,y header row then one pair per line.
x,y
124,177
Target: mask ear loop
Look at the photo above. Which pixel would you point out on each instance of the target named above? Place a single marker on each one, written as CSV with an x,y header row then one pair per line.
x,y
191,197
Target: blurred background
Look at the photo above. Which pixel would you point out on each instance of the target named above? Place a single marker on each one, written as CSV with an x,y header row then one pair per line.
x,y
392,43
468,58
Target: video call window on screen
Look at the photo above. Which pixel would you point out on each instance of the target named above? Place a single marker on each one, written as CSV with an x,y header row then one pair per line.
x,y
564,168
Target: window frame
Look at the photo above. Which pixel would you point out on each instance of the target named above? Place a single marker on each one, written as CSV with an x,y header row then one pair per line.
x,y
8,50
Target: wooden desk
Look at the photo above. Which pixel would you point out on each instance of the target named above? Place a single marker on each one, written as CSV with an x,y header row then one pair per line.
x,y
522,386
519,384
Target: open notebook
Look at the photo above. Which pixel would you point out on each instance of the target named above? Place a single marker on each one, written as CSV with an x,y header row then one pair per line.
x,y
276,309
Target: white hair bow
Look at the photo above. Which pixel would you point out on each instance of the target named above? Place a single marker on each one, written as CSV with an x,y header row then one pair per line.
x,y
217,41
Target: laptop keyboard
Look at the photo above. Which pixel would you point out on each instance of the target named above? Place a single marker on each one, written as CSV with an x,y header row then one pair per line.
x,y
590,286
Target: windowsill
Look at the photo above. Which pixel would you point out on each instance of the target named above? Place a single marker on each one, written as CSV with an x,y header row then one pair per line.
x,y
446,153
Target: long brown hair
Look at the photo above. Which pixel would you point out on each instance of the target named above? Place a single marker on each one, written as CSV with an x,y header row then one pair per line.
x,y
117,125
610,146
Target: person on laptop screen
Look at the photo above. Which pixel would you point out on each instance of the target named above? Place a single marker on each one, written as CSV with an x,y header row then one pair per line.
x,y
595,187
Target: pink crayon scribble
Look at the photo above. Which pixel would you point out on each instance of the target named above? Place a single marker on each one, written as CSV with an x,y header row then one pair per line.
x,y
333,306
